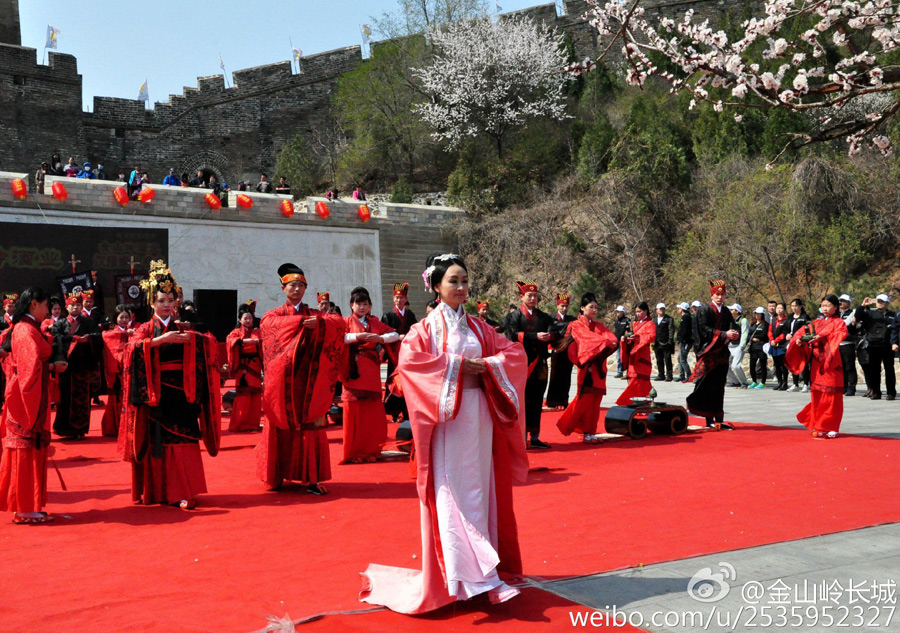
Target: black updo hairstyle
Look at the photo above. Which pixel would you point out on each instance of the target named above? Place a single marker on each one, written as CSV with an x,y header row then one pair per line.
x,y
588,298
120,309
832,299
359,295
643,306
32,293
441,266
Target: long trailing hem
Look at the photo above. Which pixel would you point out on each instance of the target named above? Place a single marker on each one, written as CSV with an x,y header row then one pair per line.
x,y
638,387
177,475
246,411
708,398
365,429
824,411
583,413
23,479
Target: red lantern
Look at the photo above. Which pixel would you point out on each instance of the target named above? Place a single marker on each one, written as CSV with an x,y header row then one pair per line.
x,y
19,188
364,214
322,210
213,201
59,191
244,201
121,195
287,208
146,195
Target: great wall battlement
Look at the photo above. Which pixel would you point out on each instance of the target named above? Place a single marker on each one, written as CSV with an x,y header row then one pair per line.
x,y
234,132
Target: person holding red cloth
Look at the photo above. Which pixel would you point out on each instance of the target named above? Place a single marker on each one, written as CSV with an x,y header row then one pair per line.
x,y
244,347
303,352
591,343
635,348
26,443
464,384
365,420
714,328
819,342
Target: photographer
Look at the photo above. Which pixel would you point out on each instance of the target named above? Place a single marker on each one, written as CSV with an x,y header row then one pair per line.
x,y
875,321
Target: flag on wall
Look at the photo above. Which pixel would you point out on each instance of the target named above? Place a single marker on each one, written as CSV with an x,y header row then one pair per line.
x,y
298,54
144,92
52,36
366,30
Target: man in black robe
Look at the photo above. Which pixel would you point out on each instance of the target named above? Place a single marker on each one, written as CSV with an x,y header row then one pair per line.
x,y
531,327
560,365
401,318
714,328
483,314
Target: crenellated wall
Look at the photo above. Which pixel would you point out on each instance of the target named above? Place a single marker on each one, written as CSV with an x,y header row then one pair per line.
x,y
232,132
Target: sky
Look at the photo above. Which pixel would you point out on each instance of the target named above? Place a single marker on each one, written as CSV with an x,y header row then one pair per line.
x,y
120,43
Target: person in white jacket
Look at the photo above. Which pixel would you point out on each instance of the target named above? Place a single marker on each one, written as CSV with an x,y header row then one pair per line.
x,y
736,375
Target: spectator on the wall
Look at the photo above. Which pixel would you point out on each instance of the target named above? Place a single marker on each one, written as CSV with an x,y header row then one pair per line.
x,y
171,179
100,173
86,172
40,175
184,180
264,186
121,177
282,187
71,169
200,180
56,166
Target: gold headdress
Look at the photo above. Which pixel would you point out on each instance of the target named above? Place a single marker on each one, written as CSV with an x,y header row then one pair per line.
x,y
160,279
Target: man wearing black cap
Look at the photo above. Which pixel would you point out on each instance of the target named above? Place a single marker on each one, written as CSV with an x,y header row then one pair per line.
x,y
172,180
875,321
302,351
848,345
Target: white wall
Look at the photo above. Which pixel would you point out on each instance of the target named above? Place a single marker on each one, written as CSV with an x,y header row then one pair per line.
x,y
219,255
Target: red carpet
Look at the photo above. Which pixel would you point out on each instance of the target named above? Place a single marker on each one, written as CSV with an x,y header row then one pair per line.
x,y
247,553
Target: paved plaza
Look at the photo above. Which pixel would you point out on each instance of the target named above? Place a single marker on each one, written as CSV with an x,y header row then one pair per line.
x,y
657,596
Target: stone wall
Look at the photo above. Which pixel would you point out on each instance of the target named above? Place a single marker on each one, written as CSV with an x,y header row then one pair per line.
x,y
233,132
240,249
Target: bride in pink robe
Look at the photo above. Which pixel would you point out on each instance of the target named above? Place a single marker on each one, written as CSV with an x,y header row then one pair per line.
x,y
463,385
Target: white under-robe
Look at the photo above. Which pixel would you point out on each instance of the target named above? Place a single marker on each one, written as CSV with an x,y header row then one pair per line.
x,y
463,468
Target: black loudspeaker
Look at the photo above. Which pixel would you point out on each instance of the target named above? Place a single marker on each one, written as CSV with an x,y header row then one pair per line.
x,y
404,432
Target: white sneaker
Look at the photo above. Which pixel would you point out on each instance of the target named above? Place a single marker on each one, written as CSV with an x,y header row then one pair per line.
x,y
805,389
793,388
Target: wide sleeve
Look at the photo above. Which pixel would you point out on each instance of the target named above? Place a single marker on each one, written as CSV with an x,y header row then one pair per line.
x,y
644,336
381,328
590,346
430,383
29,372
504,382
233,345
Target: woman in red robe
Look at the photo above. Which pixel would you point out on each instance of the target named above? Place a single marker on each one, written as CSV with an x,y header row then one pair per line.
x,y
820,343
365,420
23,467
173,400
635,347
115,340
244,346
464,386
591,344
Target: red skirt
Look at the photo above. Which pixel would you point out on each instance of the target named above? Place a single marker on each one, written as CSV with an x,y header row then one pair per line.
x,y
365,429
109,426
177,475
245,412
583,413
638,387
23,479
303,455
824,412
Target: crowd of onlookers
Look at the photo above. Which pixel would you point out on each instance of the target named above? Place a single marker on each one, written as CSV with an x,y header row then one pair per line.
x,y
873,341
138,178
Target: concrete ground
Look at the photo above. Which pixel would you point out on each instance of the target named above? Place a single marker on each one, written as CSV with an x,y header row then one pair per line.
x,y
656,598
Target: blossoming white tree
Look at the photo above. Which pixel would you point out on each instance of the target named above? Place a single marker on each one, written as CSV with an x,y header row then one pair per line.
x,y
489,78
834,59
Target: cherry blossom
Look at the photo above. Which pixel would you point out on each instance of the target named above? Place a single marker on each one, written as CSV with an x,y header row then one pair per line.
x,y
783,71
